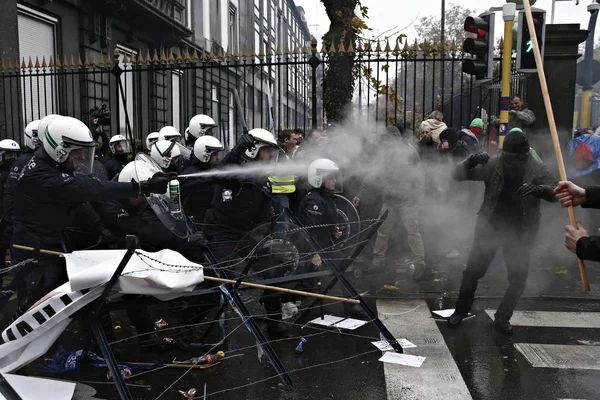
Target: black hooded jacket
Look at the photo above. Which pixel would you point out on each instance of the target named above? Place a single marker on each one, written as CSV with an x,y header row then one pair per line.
x,y
458,149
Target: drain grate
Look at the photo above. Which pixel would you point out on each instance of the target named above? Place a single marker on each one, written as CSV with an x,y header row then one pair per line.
x,y
431,340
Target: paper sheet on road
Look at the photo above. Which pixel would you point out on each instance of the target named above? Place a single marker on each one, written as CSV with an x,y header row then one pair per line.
x,y
349,323
338,322
402,359
327,320
383,345
30,388
447,313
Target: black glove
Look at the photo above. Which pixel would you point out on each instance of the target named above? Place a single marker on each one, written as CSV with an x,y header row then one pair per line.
x,y
197,240
530,189
476,159
157,184
106,235
245,142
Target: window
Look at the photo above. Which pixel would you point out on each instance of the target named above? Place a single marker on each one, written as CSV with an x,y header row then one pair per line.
x,y
230,137
233,35
37,38
215,102
176,94
215,20
128,89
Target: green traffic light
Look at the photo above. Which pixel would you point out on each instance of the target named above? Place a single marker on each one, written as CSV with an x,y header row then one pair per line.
x,y
529,45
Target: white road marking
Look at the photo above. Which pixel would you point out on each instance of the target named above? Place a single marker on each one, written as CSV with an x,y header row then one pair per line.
x,y
438,378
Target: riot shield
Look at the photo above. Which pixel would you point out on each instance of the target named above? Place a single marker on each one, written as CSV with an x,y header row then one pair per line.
x,y
160,203
348,221
272,251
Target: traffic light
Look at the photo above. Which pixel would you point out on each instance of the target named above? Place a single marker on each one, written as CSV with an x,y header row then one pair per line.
x,y
481,47
525,56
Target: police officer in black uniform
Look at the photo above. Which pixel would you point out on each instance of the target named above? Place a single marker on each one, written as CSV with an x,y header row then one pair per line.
x,y
318,206
120,149
239,205
32,143
197,192
134,216
56,177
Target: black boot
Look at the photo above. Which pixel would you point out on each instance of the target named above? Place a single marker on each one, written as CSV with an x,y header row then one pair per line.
x,y
503,327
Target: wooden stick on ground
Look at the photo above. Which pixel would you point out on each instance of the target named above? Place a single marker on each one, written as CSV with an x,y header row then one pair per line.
x,y
220,280
552,125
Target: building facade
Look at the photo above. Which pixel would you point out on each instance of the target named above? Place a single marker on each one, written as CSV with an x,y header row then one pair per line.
x,y
176,58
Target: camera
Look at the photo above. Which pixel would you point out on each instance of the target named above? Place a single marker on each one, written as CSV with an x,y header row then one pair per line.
x,y
100,115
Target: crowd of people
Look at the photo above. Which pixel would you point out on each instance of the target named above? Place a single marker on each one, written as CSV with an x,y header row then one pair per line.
x,y
61,180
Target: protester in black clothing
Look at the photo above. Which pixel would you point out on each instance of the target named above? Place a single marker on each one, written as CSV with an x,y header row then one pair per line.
x,y
509,219
452,146
577,239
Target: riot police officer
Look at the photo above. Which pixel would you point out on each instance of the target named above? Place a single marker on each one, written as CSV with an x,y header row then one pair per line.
x,y
200,125
55,178
32,142
166,154
318,206
196,193
120,149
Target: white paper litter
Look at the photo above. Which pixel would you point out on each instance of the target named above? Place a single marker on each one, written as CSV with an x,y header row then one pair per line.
x,y
349,323
383,345
327,320
38,388
338,322
402,359
448,312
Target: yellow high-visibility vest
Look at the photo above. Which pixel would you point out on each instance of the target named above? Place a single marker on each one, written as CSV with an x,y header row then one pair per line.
x,y
283,184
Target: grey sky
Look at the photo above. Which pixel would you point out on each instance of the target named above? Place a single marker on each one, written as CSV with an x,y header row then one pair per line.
x,y
388,14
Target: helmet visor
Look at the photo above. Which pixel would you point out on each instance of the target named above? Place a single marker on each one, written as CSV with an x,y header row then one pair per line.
x,y
210,130
332,181
121,147
81,160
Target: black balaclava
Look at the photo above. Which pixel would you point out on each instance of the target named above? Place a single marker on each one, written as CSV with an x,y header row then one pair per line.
x,y
450,136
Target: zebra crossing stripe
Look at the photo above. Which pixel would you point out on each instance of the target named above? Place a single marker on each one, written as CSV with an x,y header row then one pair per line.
x,y
561,356
553,319
438,378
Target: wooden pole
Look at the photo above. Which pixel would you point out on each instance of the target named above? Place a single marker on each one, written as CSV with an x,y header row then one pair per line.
x,y
220,280
284,290
552,125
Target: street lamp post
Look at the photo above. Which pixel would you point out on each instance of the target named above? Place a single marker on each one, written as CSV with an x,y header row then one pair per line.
x,y
443,27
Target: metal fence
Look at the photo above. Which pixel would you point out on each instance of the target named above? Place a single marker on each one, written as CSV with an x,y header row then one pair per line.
x,y
277,89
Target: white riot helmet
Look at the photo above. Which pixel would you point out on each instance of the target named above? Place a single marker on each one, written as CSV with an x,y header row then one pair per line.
x,y
69,142
31,139
119,145
44,122
163,152
321,169
137,171
151,139
199,125
169,133
205,146
9,151
262,138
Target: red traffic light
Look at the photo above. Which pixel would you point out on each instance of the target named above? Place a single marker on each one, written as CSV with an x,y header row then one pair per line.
x,y
477,25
